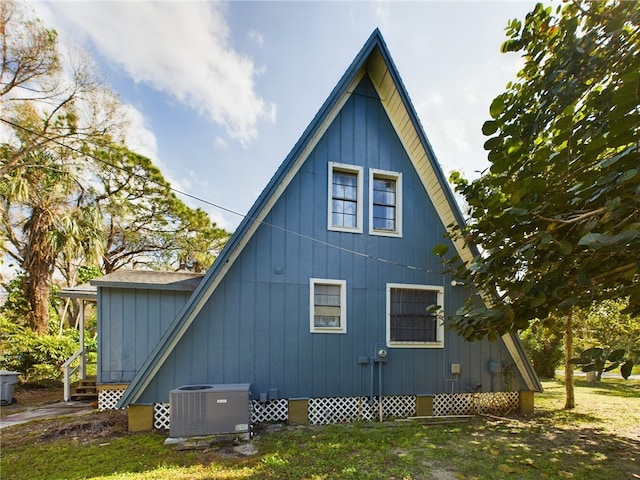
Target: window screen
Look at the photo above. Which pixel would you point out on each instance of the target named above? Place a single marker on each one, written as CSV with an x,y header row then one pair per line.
x,y
410,318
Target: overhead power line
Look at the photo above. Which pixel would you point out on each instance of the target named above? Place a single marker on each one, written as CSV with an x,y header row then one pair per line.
x,y
218,206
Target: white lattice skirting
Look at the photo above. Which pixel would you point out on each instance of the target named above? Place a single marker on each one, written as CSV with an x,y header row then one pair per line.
x,y
272,411
108,399
161,416
495,403
323,411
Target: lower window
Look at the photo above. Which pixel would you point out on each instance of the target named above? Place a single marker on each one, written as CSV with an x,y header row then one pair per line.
x,y
414,316
328,309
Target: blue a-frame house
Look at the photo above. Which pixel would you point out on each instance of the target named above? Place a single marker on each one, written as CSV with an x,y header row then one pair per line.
x,y
324,292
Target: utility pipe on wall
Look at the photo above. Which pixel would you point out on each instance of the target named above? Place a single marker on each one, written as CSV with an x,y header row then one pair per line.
x,y
373,366
380,408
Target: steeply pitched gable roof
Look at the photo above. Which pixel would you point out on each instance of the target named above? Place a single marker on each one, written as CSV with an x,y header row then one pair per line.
x,y
373,59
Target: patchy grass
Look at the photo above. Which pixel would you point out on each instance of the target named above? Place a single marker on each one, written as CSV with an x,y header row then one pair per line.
x,y
600,439
610,406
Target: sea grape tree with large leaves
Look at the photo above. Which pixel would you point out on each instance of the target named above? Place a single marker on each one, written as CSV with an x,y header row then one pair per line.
x,y
556,218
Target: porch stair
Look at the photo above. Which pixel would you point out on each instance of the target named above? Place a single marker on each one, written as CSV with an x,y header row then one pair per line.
x,y
85,390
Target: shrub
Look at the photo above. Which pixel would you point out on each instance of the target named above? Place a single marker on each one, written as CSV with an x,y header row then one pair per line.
x,y
36,357
544,348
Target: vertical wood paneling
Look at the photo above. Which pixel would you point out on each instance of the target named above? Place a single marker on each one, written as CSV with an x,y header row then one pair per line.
x,y
128,344
247,324
215,314
262,333
276,336
116,333
104,335
131,323
258,320
310,215
231,339
141,327
293,326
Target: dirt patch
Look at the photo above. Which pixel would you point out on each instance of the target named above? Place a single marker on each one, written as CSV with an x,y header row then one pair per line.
x,y
111,424
95,427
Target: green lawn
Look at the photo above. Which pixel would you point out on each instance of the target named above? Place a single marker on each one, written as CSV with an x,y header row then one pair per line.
x,y
600,439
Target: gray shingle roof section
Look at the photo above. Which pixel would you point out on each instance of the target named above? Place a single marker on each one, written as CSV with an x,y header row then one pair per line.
x,y
84,292
150,280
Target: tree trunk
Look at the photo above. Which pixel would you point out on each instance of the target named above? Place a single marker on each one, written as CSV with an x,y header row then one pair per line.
x,y
38,264
38,297
570,399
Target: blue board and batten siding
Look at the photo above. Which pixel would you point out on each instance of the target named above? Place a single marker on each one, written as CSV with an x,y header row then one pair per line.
x,y
132,321
254,328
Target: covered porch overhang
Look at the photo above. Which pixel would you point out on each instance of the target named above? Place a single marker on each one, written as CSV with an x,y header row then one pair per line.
x,y
85,294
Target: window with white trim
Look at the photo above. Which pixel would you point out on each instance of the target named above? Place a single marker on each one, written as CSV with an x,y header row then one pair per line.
x,y
414,316
385,203
328,306
345,198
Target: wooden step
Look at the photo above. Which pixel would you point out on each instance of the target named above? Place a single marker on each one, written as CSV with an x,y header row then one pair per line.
x,y
92,390
84,397
85,390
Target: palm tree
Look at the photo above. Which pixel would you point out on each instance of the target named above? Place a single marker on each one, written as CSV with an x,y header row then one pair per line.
x,y
44,217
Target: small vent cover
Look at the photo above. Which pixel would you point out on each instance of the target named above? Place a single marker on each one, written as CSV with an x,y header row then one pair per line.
x,y
198,410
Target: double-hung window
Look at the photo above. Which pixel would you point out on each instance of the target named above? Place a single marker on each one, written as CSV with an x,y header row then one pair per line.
x,y
328,306
385,203
414,316
345,198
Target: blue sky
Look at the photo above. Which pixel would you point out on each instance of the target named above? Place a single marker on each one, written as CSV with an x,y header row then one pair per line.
x,y
219,92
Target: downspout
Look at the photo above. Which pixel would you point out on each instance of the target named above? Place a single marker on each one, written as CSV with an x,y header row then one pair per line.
x,y
380,353
373,366
380,408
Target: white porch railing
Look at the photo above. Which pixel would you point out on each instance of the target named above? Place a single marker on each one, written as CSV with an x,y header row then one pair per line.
x,y
70,370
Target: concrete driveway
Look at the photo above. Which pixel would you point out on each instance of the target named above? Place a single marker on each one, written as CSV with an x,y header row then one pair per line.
x,y
47,411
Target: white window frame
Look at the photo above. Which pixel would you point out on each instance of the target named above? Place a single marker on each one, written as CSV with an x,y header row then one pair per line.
x,y
343,305
397,177
352,169
439,343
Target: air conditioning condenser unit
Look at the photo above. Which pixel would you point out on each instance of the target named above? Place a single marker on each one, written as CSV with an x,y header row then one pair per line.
x,y
198,410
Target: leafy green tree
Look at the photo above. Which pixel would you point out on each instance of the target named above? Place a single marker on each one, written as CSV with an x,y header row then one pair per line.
x,y
544,347
556,218
145,224
54,109
72,194
16,307
606,339
59,98
38,357
41,218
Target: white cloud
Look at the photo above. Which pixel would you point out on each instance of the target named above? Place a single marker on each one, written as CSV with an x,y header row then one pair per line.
x,y
220,142
138,137
180,48
256,37
457,136
381,11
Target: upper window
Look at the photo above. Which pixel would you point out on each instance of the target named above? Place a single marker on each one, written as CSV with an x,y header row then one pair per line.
x,y
345,198
414,316
328,307
385,209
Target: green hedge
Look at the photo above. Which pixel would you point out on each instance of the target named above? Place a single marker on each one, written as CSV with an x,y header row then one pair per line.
x,y
36,357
